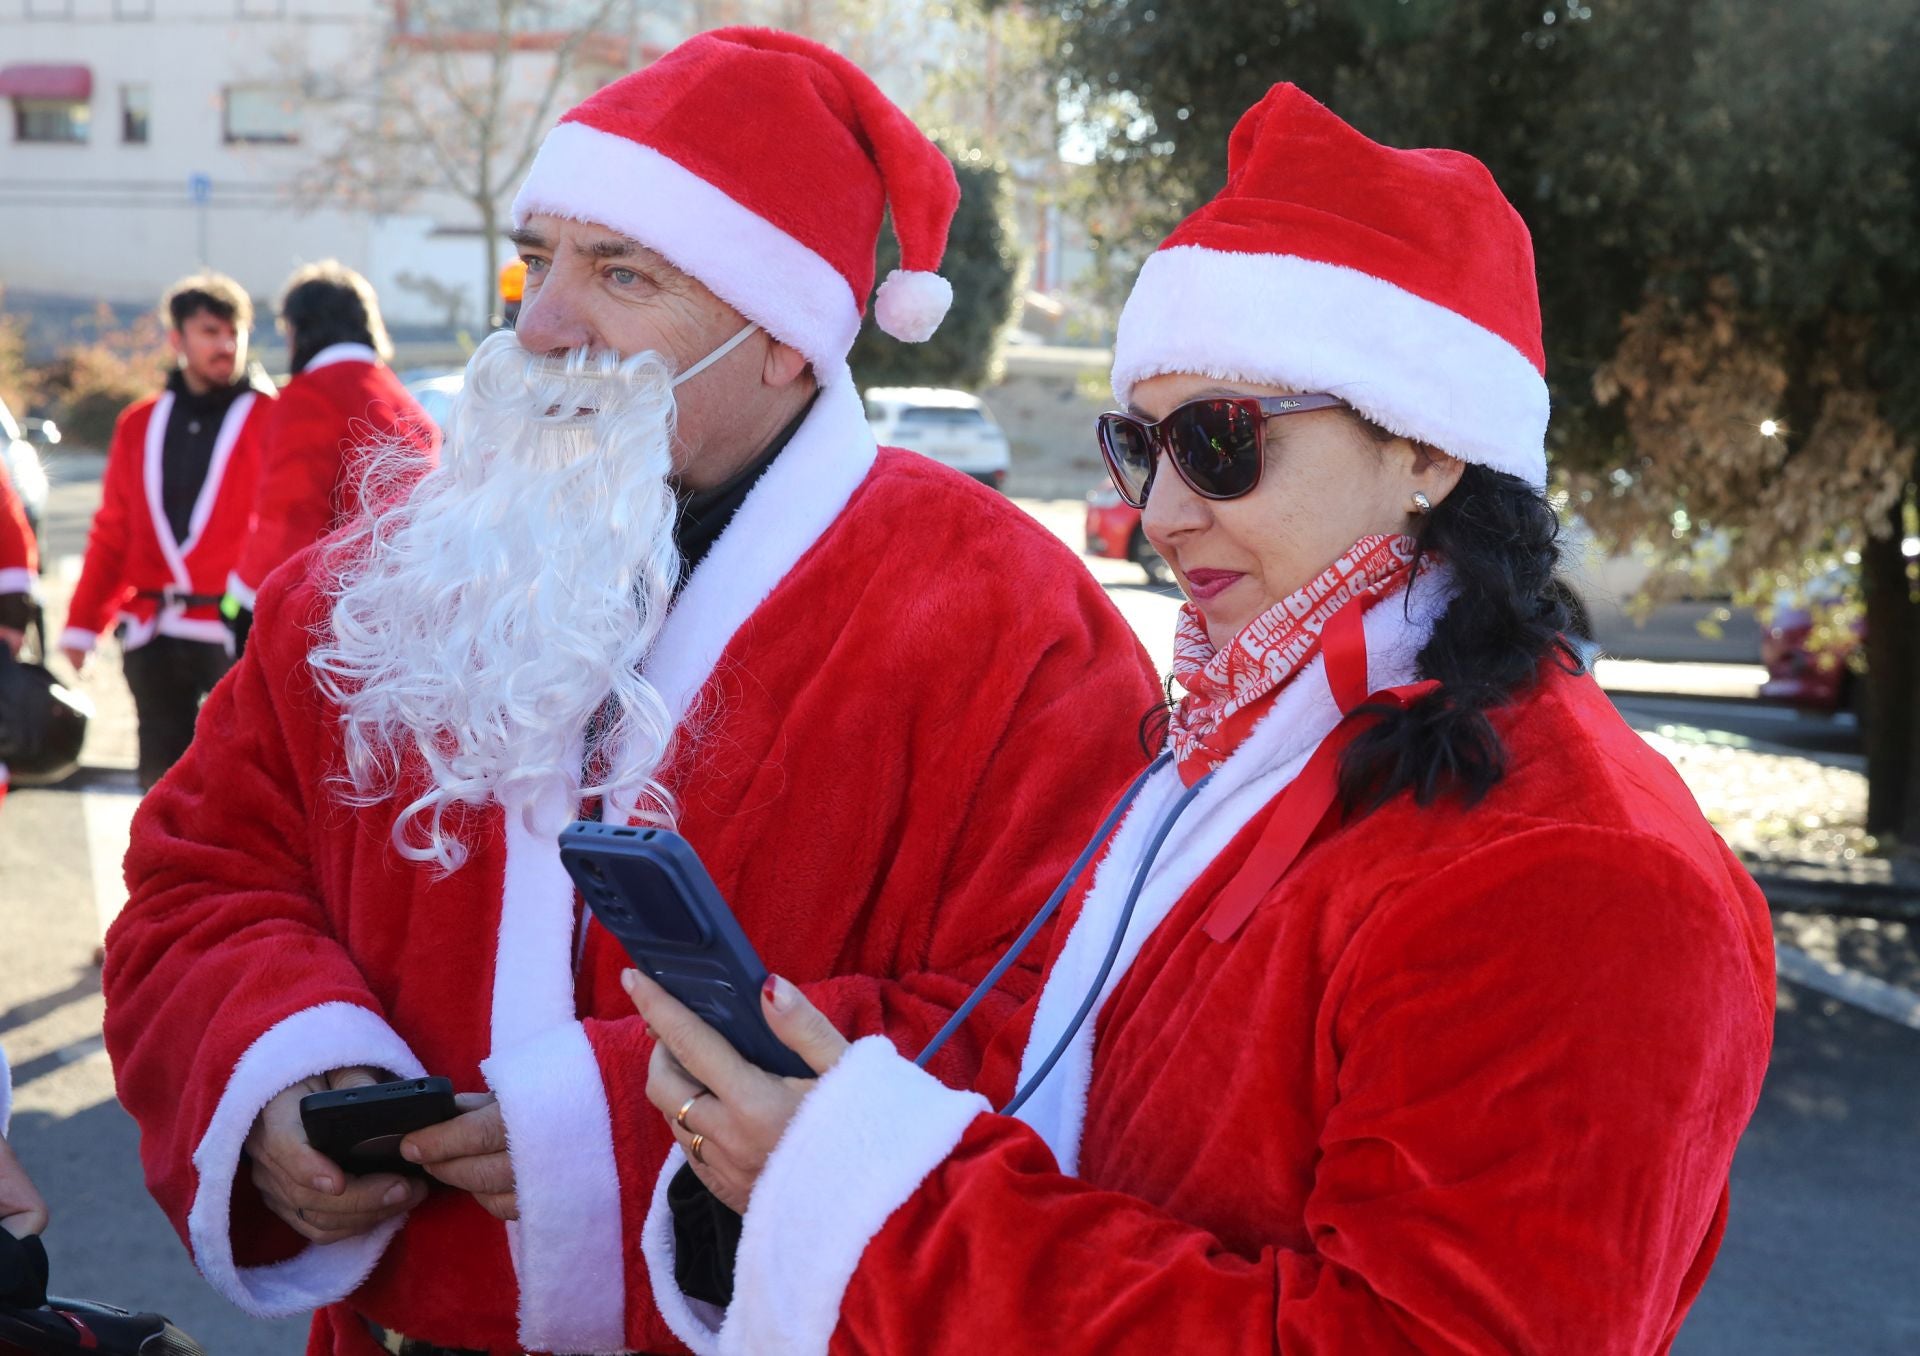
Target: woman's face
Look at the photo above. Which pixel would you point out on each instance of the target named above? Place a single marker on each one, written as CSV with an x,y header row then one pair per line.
x,y
1326,483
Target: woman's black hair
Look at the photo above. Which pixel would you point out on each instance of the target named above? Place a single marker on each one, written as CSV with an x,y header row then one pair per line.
x,y
1499,540
1498,537
326,304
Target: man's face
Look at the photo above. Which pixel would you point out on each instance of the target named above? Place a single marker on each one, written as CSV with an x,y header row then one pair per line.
x,y
591,287
211,350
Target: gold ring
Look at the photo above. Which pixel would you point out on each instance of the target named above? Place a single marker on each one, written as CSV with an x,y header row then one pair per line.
x,y
693,1148
680,1116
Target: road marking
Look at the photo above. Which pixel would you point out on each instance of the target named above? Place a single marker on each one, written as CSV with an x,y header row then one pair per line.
x,y
108,815
1849,986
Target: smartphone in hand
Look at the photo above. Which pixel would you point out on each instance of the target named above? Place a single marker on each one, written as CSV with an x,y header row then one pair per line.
x,y
361,1128
648,888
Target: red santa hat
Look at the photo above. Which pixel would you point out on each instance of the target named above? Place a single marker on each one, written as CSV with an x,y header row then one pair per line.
x,y
761,163
1401,281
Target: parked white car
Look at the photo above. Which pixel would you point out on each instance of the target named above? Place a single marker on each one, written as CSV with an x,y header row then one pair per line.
x,y
952,427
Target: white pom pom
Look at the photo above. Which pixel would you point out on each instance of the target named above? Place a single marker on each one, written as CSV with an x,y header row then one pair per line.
x,y
911,306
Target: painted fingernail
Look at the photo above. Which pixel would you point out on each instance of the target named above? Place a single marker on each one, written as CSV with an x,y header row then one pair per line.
x,y
778,993
397,1193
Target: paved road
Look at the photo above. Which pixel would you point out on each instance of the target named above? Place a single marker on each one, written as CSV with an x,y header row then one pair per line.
x,y
1818,1257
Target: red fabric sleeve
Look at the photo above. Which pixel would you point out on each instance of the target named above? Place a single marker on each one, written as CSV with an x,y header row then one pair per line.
x,y
223,935
103,586
300,469
18,550
1546,1055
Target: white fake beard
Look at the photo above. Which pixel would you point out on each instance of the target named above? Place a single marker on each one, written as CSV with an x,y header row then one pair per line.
x,y
480,624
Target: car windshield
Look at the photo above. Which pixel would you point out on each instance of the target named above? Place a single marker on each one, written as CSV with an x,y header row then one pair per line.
x,y
942,416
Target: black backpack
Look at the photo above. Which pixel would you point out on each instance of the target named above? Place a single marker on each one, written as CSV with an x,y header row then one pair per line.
x,y
43,722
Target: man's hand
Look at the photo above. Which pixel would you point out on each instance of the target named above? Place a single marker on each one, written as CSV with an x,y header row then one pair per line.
x,y
317,1199
76,656
470,1152
22,1211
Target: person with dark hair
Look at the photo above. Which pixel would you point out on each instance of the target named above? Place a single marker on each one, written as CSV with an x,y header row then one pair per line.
x,y
176,500
342,404
1412,1005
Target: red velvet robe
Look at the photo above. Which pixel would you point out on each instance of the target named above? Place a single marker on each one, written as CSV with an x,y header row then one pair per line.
x,y
19,553
19,571
1467,1080
344,403
904,690
131,548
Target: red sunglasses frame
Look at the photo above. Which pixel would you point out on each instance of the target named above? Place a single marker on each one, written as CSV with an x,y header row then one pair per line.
x,y
1257,408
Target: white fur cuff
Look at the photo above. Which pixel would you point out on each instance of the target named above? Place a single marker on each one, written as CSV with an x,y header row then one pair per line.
x,y
860,1146
16,579
311,1041
566,1244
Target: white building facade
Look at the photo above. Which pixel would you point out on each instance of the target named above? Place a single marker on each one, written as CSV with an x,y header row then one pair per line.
x,y
141,139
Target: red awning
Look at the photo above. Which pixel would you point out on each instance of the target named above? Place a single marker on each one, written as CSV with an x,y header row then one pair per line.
x,y
46,82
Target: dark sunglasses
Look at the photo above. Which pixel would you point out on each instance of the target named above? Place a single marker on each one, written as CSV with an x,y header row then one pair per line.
x,y
1216,445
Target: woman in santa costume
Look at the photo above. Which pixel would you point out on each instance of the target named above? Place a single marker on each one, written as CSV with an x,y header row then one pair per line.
x,y
1422,1008
664,573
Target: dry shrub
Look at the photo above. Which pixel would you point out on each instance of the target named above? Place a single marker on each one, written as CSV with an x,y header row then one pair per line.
x,y
94,380
1695,386
19,383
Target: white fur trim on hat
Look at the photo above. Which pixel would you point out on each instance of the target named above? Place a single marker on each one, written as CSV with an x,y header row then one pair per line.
x,y
911,305
1415,368
584,174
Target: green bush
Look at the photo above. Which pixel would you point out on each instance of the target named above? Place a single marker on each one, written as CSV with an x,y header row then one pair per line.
x,y
984,269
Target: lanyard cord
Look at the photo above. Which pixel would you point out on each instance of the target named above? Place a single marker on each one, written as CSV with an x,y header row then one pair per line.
x,y
1047,910
1113,949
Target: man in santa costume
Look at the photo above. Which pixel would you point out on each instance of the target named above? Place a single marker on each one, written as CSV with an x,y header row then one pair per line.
x,y
175,504
662,572
343,402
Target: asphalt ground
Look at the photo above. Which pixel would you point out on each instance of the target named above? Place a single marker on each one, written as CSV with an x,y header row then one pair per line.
x,y
1825,1220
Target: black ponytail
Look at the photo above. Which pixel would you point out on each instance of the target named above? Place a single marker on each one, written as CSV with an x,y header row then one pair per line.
x,y
1499,539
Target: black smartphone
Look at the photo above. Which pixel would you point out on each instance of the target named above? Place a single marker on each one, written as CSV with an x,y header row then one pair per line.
x,y
361,1128
648,888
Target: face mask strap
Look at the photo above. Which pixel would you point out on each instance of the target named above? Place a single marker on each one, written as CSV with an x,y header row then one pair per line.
x,y
717,354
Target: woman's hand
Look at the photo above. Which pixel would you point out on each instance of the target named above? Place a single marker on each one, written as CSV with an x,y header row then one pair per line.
x,y
738,1111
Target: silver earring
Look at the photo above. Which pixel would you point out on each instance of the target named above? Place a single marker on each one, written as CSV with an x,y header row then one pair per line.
x,y
1421,504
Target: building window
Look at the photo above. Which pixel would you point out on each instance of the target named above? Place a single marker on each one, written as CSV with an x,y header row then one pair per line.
x,y
133,9
66,120
266,115
134,107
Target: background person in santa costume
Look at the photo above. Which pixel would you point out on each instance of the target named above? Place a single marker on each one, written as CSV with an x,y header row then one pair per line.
x,y
19,569
175,503
343,403
662,569
19,576
1436,1022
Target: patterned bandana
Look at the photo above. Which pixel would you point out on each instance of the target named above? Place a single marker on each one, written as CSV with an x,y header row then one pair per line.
x,y
1229,690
